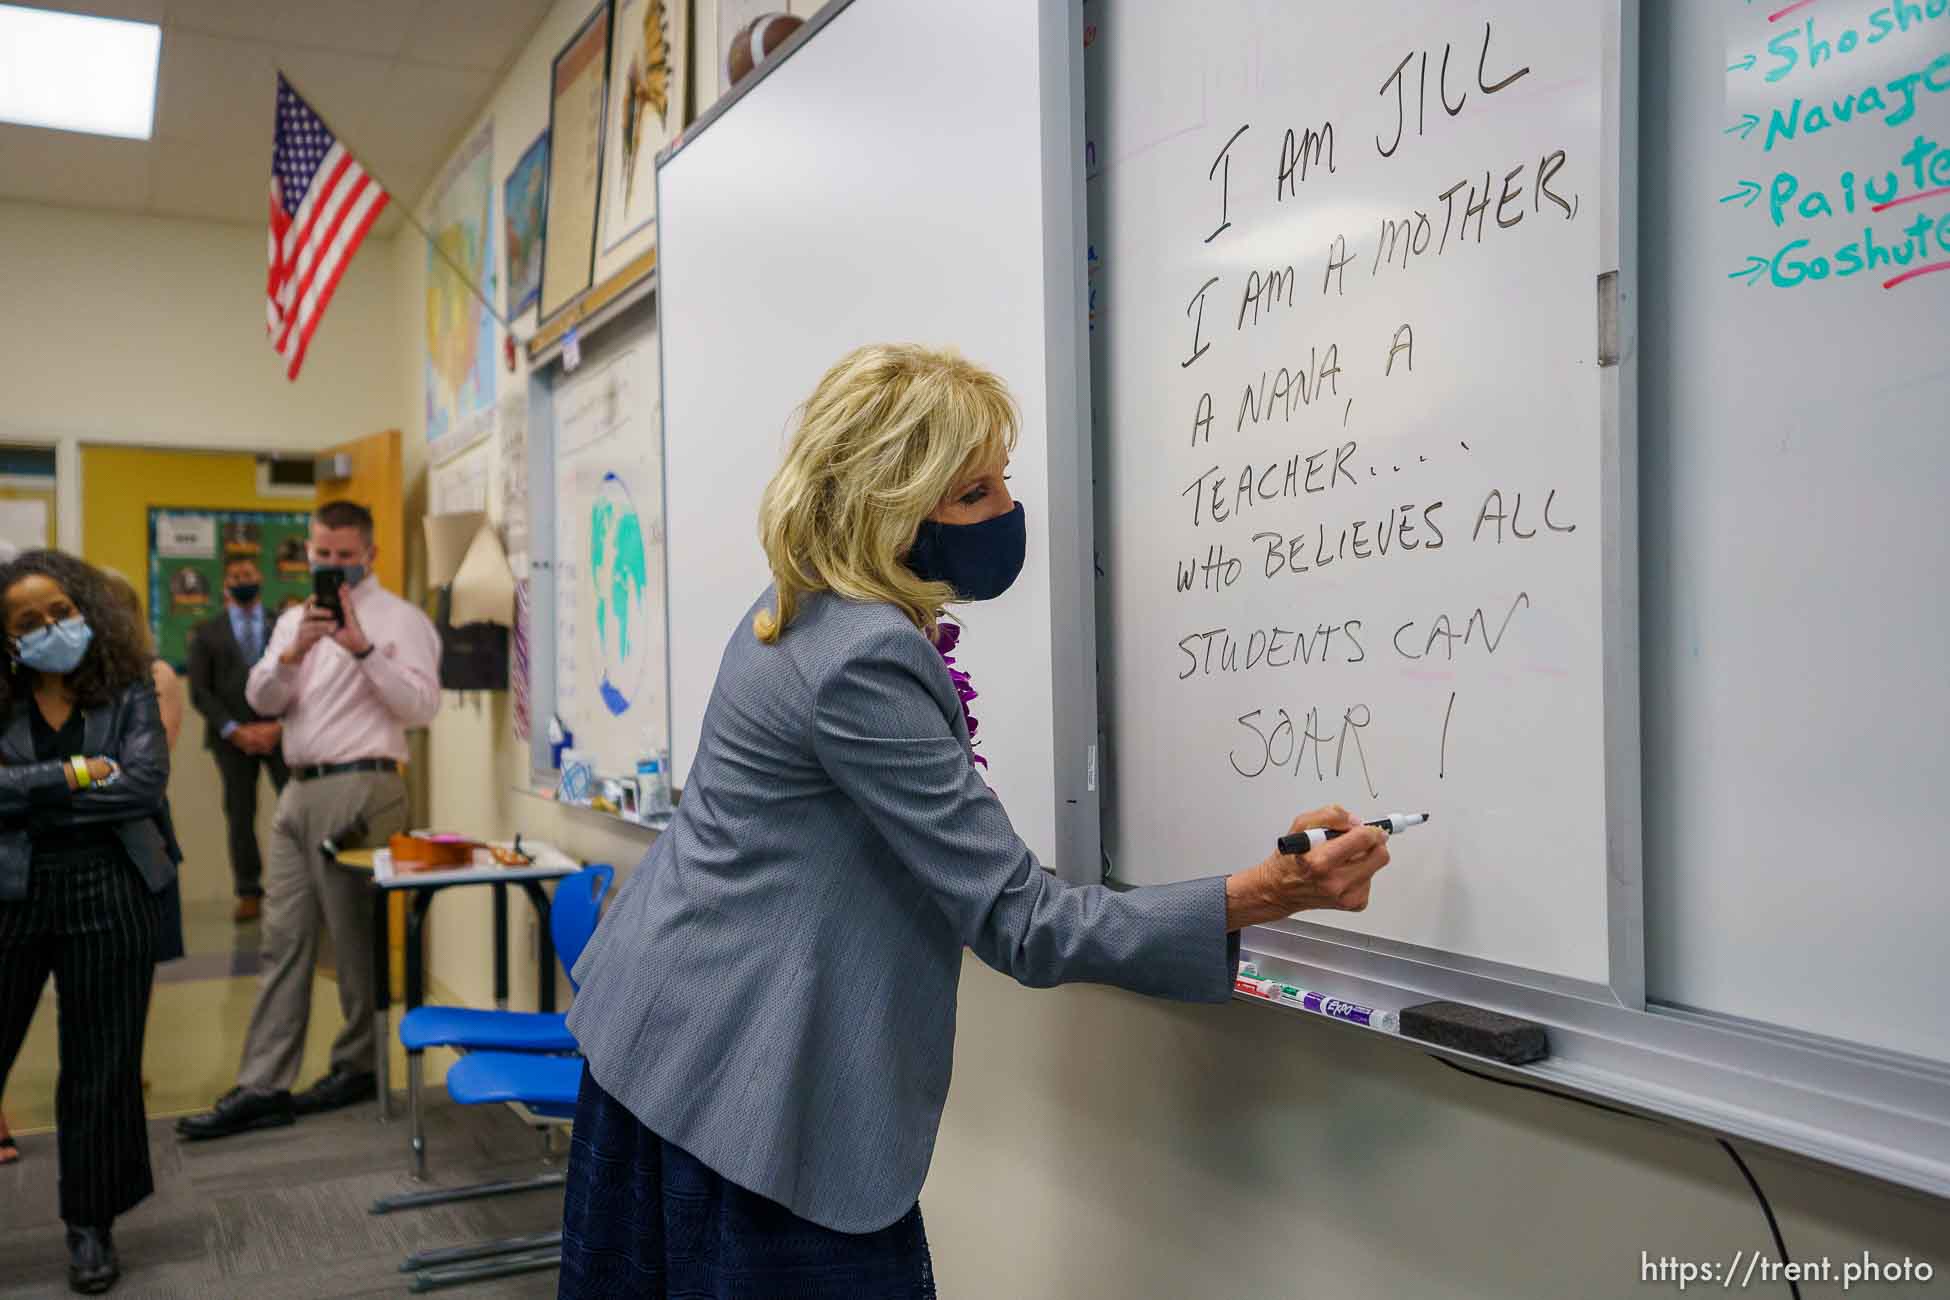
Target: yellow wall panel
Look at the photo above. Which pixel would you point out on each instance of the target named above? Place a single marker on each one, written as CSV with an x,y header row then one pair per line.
x,y
119,485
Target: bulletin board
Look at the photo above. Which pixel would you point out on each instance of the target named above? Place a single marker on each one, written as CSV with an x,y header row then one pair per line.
x,y
188,549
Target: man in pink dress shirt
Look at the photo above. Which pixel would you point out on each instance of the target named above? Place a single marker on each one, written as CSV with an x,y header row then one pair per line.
x,y
346,692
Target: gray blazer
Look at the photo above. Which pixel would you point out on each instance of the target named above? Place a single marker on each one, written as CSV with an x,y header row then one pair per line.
x,y
774,989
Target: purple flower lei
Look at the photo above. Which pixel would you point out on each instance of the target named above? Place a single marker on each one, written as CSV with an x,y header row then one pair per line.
x,y
946,635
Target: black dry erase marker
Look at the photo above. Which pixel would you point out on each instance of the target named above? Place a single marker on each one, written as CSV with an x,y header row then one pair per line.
x,y
1394,823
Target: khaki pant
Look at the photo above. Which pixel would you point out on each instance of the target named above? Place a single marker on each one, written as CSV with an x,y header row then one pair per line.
x,y
302,887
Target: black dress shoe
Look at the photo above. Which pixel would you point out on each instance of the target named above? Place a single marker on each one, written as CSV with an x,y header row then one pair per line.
x,y
238,1111
92,1265
340,1088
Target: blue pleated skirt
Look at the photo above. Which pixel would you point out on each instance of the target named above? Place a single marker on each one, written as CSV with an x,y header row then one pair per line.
x,y
643,1218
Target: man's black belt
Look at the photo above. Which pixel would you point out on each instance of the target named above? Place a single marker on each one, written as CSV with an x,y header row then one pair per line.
x,y
317,770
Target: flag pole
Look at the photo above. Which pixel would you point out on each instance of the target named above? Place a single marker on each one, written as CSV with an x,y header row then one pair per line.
x,y
406,211
452,265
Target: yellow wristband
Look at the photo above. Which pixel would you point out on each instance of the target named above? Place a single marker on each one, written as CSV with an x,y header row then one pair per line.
x,y
82,776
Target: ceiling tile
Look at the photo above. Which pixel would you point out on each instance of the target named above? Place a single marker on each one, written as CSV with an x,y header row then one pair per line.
x,y
401,114
441,103
483,34
89,171
345,90
216,184
348,26
217,91
142,11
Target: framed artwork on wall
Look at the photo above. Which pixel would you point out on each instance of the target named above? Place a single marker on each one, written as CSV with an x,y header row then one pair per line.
x,y
578,93
523,206
649,69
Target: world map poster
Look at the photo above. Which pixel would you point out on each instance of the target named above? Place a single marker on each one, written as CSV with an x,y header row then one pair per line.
x,y
460,331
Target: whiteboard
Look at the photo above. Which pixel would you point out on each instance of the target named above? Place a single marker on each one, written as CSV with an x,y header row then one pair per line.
x,y
1795,463
1358,460
902,172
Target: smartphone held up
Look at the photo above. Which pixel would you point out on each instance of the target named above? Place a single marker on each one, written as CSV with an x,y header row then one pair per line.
x,y
326,586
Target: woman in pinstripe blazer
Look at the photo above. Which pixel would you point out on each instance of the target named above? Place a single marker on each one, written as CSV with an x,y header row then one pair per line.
x,y
85,859
767,1010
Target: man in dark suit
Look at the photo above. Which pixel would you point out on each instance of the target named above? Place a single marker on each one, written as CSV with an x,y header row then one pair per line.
x,y
222,652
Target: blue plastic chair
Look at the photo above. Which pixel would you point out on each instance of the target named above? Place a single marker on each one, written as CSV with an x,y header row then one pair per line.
x,y
511,1059
543,1086
572,920
546,1085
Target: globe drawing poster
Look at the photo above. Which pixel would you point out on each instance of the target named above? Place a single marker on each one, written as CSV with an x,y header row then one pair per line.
x,y
459,329
609,565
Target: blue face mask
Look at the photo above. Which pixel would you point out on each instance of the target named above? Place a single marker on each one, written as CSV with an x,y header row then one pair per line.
x,y
980,561
354,573
56,648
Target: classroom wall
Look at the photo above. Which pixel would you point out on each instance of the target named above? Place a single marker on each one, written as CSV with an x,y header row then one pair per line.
x,y
1096,1144
127,328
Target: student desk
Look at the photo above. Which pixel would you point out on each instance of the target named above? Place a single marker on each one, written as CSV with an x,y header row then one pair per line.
x,y
421,886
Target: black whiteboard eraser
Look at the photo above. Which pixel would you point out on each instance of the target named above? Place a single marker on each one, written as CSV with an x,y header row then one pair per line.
x,y
1474,1030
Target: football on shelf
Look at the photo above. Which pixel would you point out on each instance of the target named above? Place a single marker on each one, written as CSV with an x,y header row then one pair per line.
x,y
756,41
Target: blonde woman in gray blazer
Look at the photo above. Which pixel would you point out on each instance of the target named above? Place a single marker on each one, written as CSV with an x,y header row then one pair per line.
x,y
768,1008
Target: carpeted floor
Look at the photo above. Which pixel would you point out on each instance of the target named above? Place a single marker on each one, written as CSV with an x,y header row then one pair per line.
x,y
284,1213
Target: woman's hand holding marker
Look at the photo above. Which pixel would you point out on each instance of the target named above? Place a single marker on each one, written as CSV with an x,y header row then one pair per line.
x,y
1299,843
1334,876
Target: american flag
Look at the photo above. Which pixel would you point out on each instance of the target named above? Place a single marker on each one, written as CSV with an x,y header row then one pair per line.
x,y
322,205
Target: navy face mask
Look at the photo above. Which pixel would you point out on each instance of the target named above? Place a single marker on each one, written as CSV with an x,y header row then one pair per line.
x,y
980,561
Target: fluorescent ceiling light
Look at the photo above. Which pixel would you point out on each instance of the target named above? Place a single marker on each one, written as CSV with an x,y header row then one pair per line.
x,y
72,72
